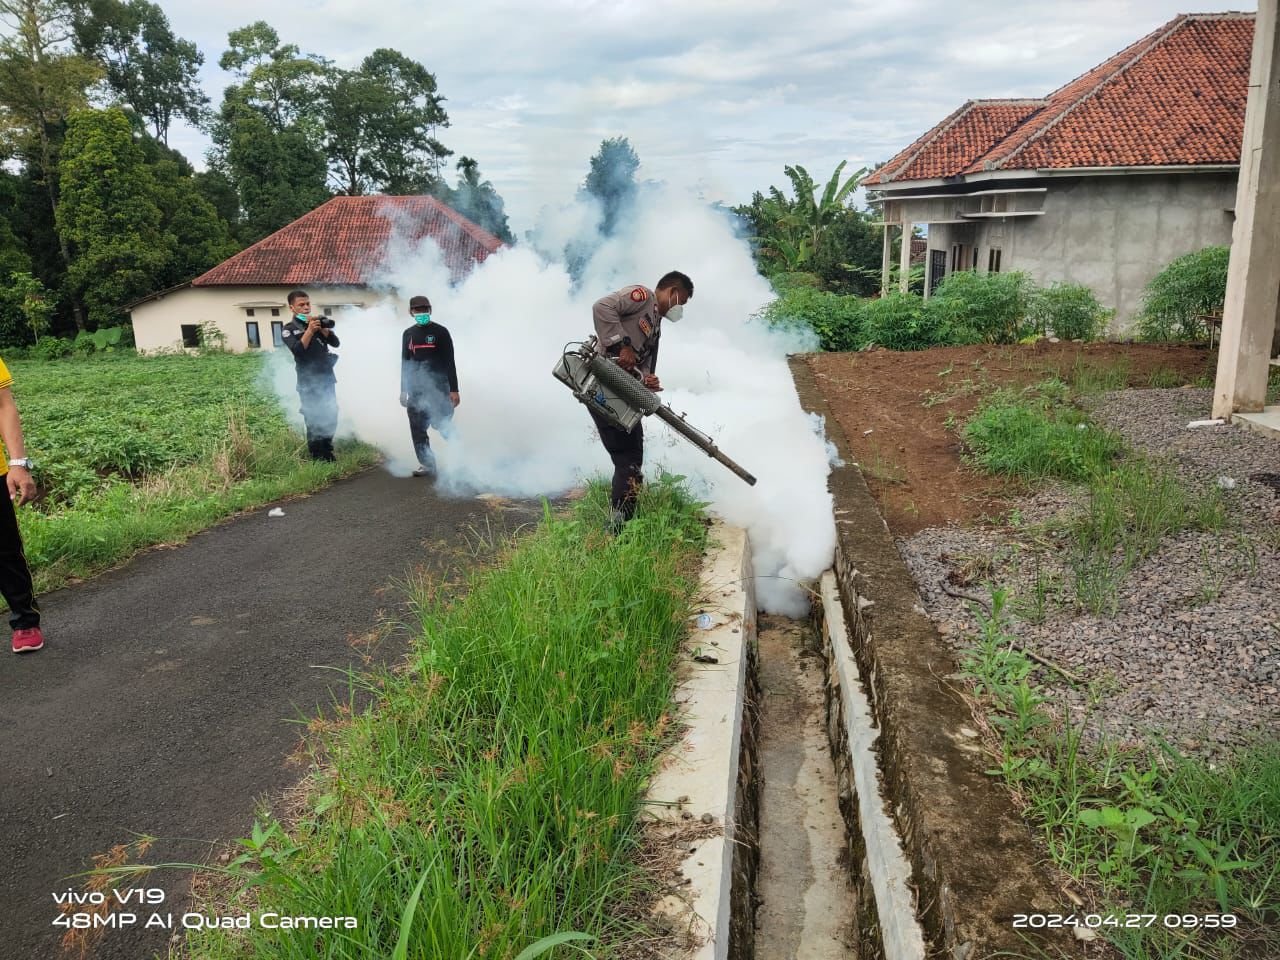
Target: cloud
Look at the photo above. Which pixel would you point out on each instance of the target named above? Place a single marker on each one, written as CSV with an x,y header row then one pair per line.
x,y
728,91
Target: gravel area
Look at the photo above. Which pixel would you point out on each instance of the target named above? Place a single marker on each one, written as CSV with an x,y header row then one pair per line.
x,y
1192,652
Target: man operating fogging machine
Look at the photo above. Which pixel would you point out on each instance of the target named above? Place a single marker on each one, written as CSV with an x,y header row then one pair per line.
x,y
611,374
628,326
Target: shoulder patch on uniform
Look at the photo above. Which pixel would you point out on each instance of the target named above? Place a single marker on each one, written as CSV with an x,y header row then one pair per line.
x,y
286,333
639,294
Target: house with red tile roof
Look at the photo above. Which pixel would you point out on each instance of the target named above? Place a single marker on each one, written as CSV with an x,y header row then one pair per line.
x,y
338,253
1102,182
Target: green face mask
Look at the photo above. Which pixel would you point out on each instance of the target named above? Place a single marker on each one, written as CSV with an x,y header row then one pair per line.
x,y
422,319
301,317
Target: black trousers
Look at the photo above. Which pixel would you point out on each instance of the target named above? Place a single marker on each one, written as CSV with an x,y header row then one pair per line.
x,y
626,450
15,575
423,412
319,396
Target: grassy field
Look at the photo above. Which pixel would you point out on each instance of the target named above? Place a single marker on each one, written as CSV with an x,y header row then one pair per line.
x,y
134,451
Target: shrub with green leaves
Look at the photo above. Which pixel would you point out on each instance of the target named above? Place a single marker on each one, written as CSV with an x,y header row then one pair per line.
x,y
1187,289
836,319
52,348
901,321
983,307
1068,310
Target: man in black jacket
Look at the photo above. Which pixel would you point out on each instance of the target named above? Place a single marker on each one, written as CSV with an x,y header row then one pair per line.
x,y
428,380
309,339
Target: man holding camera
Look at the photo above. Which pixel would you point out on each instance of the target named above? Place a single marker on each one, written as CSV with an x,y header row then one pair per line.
x,y
309,339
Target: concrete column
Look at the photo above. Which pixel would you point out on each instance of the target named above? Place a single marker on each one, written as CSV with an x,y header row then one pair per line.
x,y
886,263
904,279
1252,307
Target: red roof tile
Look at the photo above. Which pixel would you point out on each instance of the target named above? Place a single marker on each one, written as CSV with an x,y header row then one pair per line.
x,y
957,141
345,242
1175,98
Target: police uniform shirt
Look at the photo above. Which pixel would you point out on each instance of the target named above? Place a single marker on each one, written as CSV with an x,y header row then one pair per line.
x,y
314,358
426,360
630,313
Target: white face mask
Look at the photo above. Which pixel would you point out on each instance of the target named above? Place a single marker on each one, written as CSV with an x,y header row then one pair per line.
x,y
675,313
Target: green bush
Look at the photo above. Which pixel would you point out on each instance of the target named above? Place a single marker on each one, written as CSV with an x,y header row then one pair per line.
x,y
52,348
983,307
103,340
836,319
901,321
1182,292
1069,311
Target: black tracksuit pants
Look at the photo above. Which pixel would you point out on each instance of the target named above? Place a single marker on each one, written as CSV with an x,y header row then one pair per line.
x,y
626,449
319,398
15,575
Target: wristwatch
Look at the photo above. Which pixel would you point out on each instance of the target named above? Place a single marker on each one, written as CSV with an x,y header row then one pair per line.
x,y
22,462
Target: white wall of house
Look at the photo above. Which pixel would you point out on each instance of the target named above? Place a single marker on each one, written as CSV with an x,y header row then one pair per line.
x,y
1110,233
158,324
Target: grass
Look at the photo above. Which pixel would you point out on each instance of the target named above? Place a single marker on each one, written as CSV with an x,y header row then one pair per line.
x,y
486,799
1033,434
1133,503
1099,377
883,468
135,451
1156,832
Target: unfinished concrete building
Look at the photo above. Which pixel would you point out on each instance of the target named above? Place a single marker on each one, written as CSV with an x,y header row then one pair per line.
x,y
1102,182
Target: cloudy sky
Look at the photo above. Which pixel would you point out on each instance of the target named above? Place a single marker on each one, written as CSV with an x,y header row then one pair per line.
x,y
717,95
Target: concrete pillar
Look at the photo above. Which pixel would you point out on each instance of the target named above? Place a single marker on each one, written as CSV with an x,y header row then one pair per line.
x,y
1252,308
904,264
886,263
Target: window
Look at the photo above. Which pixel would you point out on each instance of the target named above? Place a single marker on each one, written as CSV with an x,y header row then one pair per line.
x,y
251,331
277,333
275,311
328,311
937,268
974,264
993,260
190,335
248,312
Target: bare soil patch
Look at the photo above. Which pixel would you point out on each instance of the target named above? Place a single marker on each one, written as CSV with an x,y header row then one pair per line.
x,y
899,411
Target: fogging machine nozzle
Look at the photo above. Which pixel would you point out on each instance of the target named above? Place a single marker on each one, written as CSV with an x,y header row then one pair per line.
x,y
620,398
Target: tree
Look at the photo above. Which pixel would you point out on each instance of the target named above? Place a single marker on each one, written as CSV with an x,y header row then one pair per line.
x,y
275,79
611,180
42,80
147,67
818,233
816,214
108,215
268,133
201,237
278,176
477,200
32,301
380,126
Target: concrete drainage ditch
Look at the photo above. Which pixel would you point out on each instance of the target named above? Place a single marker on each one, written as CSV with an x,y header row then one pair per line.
x,y
754,803
883,839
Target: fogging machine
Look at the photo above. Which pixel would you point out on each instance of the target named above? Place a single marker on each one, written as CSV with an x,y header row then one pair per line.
x,y
620,398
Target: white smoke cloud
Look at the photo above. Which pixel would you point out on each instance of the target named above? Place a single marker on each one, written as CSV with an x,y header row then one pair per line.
x,y
519,432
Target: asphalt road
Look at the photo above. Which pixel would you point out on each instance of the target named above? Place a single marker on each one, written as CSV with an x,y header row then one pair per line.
x,y
166,698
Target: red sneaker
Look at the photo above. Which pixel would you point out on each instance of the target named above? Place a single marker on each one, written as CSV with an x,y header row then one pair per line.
x,y
28,640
